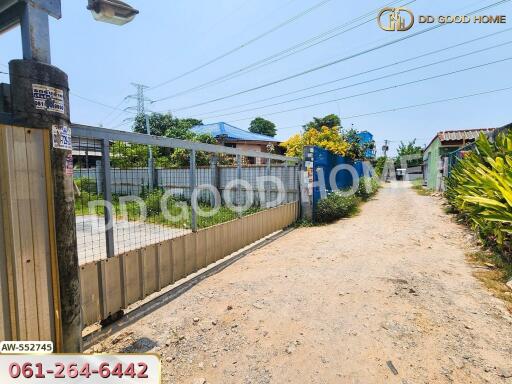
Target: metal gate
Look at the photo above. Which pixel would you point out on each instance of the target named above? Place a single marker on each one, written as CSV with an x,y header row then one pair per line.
x,y
126,183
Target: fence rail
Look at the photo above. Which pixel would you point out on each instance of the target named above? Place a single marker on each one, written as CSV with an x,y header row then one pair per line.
x,y
113,284
152,210
134,190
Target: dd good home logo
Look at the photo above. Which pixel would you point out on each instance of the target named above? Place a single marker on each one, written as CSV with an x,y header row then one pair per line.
x,y
395,19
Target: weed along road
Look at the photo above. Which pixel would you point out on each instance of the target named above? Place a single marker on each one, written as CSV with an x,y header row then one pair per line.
x,y
386,296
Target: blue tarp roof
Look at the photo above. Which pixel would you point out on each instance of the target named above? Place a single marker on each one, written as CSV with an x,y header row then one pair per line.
x,y
232,133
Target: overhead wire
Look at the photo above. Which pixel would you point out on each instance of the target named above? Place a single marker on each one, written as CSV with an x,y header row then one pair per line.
x,y
353,75
371,80
290,51
420,104
334,62
245,44
385,88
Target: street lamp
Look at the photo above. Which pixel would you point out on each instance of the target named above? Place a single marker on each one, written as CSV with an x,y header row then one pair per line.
x,y
112,11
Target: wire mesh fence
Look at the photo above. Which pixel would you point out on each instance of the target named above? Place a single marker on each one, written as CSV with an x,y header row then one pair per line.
x,y
136,190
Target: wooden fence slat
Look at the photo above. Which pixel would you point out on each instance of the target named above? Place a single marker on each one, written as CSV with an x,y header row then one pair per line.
x,y
201,249
150,273
178,255
39,218
133,284
90,291
220,245
165,264
25,259
113,284
190,254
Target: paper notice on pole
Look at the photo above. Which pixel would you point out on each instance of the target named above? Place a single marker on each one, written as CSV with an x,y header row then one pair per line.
x,y
61,137
68,169
48,98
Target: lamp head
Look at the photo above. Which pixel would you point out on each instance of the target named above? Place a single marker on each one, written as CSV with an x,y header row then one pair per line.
x,y
112,11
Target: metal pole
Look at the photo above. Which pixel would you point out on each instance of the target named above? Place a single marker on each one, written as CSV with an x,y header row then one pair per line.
x,y
268,194
35,34
151,163
193,220
239,187
214,172
107,196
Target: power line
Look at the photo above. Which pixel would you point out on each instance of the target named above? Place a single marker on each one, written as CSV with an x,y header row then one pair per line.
x,y
97,102
428,103
385,88
104,120
289,51
245,44
422,104
353,75
329,64
372,80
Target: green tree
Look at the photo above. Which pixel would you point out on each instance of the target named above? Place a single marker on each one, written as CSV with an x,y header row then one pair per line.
x,y
409,153
263,127
329,121
167,125
357,149
379,165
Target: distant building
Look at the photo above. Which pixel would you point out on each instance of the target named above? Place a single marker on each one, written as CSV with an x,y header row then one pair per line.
x,y
366,138
434,164
231,136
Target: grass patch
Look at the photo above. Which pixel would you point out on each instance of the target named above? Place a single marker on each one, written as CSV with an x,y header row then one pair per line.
x,y
417,185
154,211
494,278
336,206
303,223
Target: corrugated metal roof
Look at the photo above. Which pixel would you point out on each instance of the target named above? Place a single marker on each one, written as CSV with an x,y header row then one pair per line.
x,y
232,133
464,135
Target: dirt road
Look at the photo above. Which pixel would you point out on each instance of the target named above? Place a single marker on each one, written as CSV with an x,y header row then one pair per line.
x,y
335,304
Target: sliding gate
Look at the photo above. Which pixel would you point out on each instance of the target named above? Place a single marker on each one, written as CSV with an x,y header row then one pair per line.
x,y
150,211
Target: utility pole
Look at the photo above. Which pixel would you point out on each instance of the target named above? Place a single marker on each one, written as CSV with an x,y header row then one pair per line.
x,y
38,224
141,111
40,105
385,148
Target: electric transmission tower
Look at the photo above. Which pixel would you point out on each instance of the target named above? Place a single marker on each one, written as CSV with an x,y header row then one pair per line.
x,y
141,113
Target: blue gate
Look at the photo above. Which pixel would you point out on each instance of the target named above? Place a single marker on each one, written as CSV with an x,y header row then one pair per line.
x,y
322,162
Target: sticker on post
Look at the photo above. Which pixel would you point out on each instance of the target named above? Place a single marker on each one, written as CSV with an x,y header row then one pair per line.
x,y
69,165
48,98
61,138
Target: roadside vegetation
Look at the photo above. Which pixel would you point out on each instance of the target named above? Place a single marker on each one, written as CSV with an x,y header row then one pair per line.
x,y
417,185
341,204
479,191
152,201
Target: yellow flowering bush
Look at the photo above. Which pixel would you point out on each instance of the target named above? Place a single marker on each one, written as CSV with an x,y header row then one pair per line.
x,y
327,138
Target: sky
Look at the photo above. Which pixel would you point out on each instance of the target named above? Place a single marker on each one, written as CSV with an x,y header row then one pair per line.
x,y
170,38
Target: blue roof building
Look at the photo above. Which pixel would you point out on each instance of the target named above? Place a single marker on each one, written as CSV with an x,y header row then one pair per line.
x,y
231,136
230,133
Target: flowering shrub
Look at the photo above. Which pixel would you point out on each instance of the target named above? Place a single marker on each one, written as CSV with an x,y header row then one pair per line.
x,y
327,138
